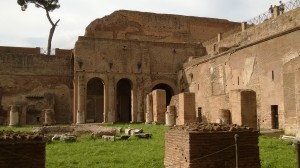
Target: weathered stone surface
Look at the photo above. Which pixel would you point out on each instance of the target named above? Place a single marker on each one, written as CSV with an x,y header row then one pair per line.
x,y
64,137
109,138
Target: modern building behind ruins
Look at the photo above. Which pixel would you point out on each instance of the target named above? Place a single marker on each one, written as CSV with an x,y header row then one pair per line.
x,y
124,56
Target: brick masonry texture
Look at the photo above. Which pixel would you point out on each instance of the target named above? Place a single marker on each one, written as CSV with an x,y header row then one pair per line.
x,y
21,150
210,145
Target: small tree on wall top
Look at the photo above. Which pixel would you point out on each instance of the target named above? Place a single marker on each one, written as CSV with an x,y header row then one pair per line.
x,y
48,6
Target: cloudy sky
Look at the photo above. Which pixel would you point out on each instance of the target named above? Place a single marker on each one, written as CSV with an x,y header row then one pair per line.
x,y
31,28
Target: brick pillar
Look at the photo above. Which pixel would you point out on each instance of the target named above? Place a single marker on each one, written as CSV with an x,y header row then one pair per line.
x,y
159,106
186,110
134,104
111,115
81,100
243,107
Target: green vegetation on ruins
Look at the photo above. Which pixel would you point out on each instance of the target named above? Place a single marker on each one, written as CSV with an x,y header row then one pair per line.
x,y
140,153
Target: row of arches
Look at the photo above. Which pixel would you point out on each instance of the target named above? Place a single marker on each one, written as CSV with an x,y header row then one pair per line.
x,y
95,99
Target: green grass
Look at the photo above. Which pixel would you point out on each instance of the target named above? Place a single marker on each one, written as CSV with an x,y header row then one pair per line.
x,y
129,153
275,153
140,153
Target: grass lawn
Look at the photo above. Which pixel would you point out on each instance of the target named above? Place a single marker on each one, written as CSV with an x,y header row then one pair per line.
x,y
141,153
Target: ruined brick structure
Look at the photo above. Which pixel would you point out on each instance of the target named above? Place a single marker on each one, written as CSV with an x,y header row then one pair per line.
x,y
25,150
211,145
126,55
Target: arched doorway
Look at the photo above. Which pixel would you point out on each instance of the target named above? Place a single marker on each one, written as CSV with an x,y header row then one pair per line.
x,y
95,100
168,89
124,100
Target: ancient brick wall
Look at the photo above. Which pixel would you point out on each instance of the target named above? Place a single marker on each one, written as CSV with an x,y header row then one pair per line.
x,y
27,75
21,150
20,50
291,88
143,26
210,146
254,60
125,56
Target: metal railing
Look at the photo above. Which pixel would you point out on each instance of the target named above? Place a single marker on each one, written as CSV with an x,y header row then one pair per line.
x,y
290,5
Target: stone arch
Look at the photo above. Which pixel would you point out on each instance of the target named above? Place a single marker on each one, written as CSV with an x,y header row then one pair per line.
x,y
95,100
169,91
124,96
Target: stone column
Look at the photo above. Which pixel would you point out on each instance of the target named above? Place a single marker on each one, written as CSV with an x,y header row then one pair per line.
x,y
81,100
14,115
49,117
149,109
170,116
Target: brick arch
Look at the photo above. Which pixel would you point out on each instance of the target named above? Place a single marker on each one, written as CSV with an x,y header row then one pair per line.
x,y
167,82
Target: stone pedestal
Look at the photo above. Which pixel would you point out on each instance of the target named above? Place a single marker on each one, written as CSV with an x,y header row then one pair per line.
x,y
14,115
170,116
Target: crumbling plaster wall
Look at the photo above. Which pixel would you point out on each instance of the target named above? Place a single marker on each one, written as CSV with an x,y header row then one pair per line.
x,y
255,63
26,75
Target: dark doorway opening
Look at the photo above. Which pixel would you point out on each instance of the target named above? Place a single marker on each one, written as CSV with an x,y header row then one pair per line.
x,y
274,116
199,114
95,100
124,100
168,89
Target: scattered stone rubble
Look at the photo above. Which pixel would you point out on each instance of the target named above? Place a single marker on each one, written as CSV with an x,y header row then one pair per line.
x,y
22,149
64,137
212,127
70,133
11,136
